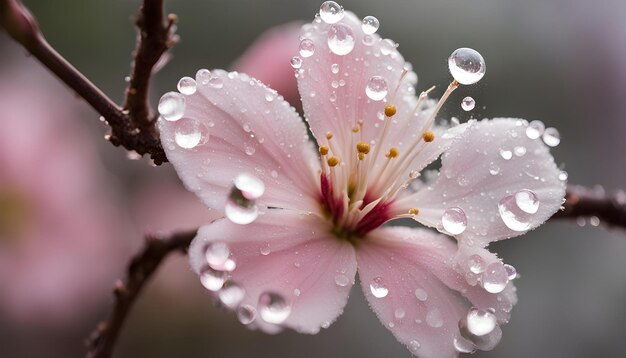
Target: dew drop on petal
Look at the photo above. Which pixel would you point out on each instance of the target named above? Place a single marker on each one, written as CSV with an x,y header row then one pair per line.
x,y
519,150
421,294
370,25
480,322
296,62
273,308
251,187
510,271
563,175
476,263
331,12
454,220
463,345
368,40
378,288
231,294
334,68
172,106
241,205
307,48
189,133
265,249
514,217
217,254
495,278
414,346
434,318
187,85
342,280
468,103
387,46
466,65
340,39
494,169
527,200
399,313
216,82
212,280
551,137
376,88
506,154
246,314
535,129
203,76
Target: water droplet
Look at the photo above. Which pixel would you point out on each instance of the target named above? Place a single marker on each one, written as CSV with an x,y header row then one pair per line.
x,y
414,346
246,314
269,96
340,39
535,129
172,106
495,278
551,137
494,169
506,154
296,62
527,200
250,186
265,249
331,12
368,40
476,263
454,220
188,133
421,294
519,151
377,287
212,280
203,76
231,294
376,88
434,318
307,48
480,322
462,345
468,103
342,280
510,271
513,216
594,221
216,82
241,205
274,174
370,25
399,313
273,307
563,175
334,68
249,150
466,65
187,85
217,255
387,46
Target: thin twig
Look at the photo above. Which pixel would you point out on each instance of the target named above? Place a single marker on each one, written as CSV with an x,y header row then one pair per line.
x,y
584,202
140,269
131,127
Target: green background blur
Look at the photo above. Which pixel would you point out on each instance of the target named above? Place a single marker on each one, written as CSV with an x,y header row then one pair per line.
x,y
560,61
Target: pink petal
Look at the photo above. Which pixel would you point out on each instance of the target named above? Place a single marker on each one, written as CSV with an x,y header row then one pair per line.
x,y
289,254
476,177
246,128
267,59
425,296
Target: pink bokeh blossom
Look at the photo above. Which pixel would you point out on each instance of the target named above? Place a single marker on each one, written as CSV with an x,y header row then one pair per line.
x,y
320,216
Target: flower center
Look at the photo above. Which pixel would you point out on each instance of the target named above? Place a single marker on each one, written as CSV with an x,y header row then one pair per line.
x,y
360,180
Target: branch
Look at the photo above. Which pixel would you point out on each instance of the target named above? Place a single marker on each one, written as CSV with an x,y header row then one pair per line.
x,y
131,127
140,269
584,202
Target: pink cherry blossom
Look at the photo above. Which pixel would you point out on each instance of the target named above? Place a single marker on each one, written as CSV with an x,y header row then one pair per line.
x,y
320,212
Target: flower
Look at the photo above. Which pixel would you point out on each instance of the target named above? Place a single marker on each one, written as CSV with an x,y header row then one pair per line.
x,y
314,219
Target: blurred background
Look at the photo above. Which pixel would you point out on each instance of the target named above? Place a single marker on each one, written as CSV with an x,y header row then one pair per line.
x,y
561,61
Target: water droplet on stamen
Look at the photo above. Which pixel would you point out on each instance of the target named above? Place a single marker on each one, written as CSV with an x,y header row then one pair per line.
x,y
370,25
172,106
296,62
466,65
454,220
187,85
535,129
340,39
378,289
551,137
189,133
273,308
495,278
468,104
331,12
307,48
376,88
212,280
246,314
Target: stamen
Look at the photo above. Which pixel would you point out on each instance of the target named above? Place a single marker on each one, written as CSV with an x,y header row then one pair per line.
x,y
414,211
324,150
356,129
363,147
390,110
329,135
361,156
333,161
428,136
392,153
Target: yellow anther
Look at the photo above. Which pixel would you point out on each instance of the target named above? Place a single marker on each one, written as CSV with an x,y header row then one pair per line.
x,y
428,136
390,110
324,150
414,211
356,129
333,161
363,147
361,156
393,153
329,135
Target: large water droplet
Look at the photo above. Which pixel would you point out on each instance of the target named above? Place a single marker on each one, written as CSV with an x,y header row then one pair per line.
x,y
480,322
468,103
506,154
273,308
551,137
510,271
342,280
203,76
331,12
467,66
495,278
340,39
296,62
387,46
376,88
378,288
212,280
231,294
187,85
513,216
251,187
246,314
241,205
217,254
462,345
454,220
421,294
190,133
370,25
434,318
172,106
527,200
476,263
535,129
307,48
